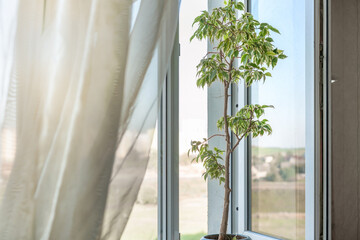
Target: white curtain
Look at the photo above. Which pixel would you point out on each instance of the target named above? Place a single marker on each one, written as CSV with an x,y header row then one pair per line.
x,y
79,89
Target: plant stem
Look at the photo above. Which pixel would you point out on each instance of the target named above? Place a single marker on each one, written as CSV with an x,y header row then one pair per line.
x,y
224,221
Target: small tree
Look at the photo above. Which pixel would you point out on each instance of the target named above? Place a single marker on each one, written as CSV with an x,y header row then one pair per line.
x,y
248,41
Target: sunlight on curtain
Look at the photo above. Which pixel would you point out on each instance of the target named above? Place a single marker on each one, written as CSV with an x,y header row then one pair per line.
x,y
78,101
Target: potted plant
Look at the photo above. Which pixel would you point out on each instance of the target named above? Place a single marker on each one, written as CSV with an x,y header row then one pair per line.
x,y
244,52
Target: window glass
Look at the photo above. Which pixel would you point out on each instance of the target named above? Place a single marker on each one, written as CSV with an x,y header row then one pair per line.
x,y
192,126
143,221
278,161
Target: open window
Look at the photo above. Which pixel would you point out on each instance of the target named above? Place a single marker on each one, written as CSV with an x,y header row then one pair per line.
x,y
275,179
277,197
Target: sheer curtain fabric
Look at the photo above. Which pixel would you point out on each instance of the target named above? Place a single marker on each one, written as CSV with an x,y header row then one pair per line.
x,y
79,88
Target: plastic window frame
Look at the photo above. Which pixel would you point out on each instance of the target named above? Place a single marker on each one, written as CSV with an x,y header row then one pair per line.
x,y
168,151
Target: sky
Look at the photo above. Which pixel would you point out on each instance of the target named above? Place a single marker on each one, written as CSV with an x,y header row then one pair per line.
x,y
286,89
192,100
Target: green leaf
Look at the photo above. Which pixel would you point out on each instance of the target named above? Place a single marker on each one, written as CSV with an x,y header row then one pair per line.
x,y
244,58
222,179
274,29
213,74
270,53
262,25
239,6
274,62
253,65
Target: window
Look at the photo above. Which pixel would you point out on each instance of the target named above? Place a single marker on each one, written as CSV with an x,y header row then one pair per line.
x,y
274,185
276,198
278,161
143,223
192,126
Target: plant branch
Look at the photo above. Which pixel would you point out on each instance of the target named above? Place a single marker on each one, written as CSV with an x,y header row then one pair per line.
x,y
238,141
215,135
248,130
210,53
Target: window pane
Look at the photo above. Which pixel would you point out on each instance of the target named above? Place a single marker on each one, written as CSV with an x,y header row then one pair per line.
x,y
278,161
193,126
143,221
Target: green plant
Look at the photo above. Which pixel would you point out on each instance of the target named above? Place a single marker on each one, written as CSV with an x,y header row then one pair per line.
x,y
248,42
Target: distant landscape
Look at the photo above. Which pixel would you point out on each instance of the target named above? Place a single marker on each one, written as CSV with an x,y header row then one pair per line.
x,y
278,196
278,192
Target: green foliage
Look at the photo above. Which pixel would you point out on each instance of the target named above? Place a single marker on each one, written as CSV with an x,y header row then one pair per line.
x,y
247,121
273,174
245,52
300,168
241,38
288,174
209,158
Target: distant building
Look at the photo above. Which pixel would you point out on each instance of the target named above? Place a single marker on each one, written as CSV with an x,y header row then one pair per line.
x,y
257,174
269,159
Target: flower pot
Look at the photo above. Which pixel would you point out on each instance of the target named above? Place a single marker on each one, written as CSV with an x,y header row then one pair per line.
x,y
230,237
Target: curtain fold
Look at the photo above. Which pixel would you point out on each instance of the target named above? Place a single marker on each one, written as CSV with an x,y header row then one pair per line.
x,y
79,92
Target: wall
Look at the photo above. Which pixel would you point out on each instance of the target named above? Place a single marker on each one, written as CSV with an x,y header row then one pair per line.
x,y
345,64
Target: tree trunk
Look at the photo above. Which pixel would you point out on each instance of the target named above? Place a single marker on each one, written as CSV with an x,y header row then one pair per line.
x,y
224,221
225,216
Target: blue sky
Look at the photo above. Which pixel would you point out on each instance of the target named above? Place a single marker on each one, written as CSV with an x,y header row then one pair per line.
x,y
286,89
